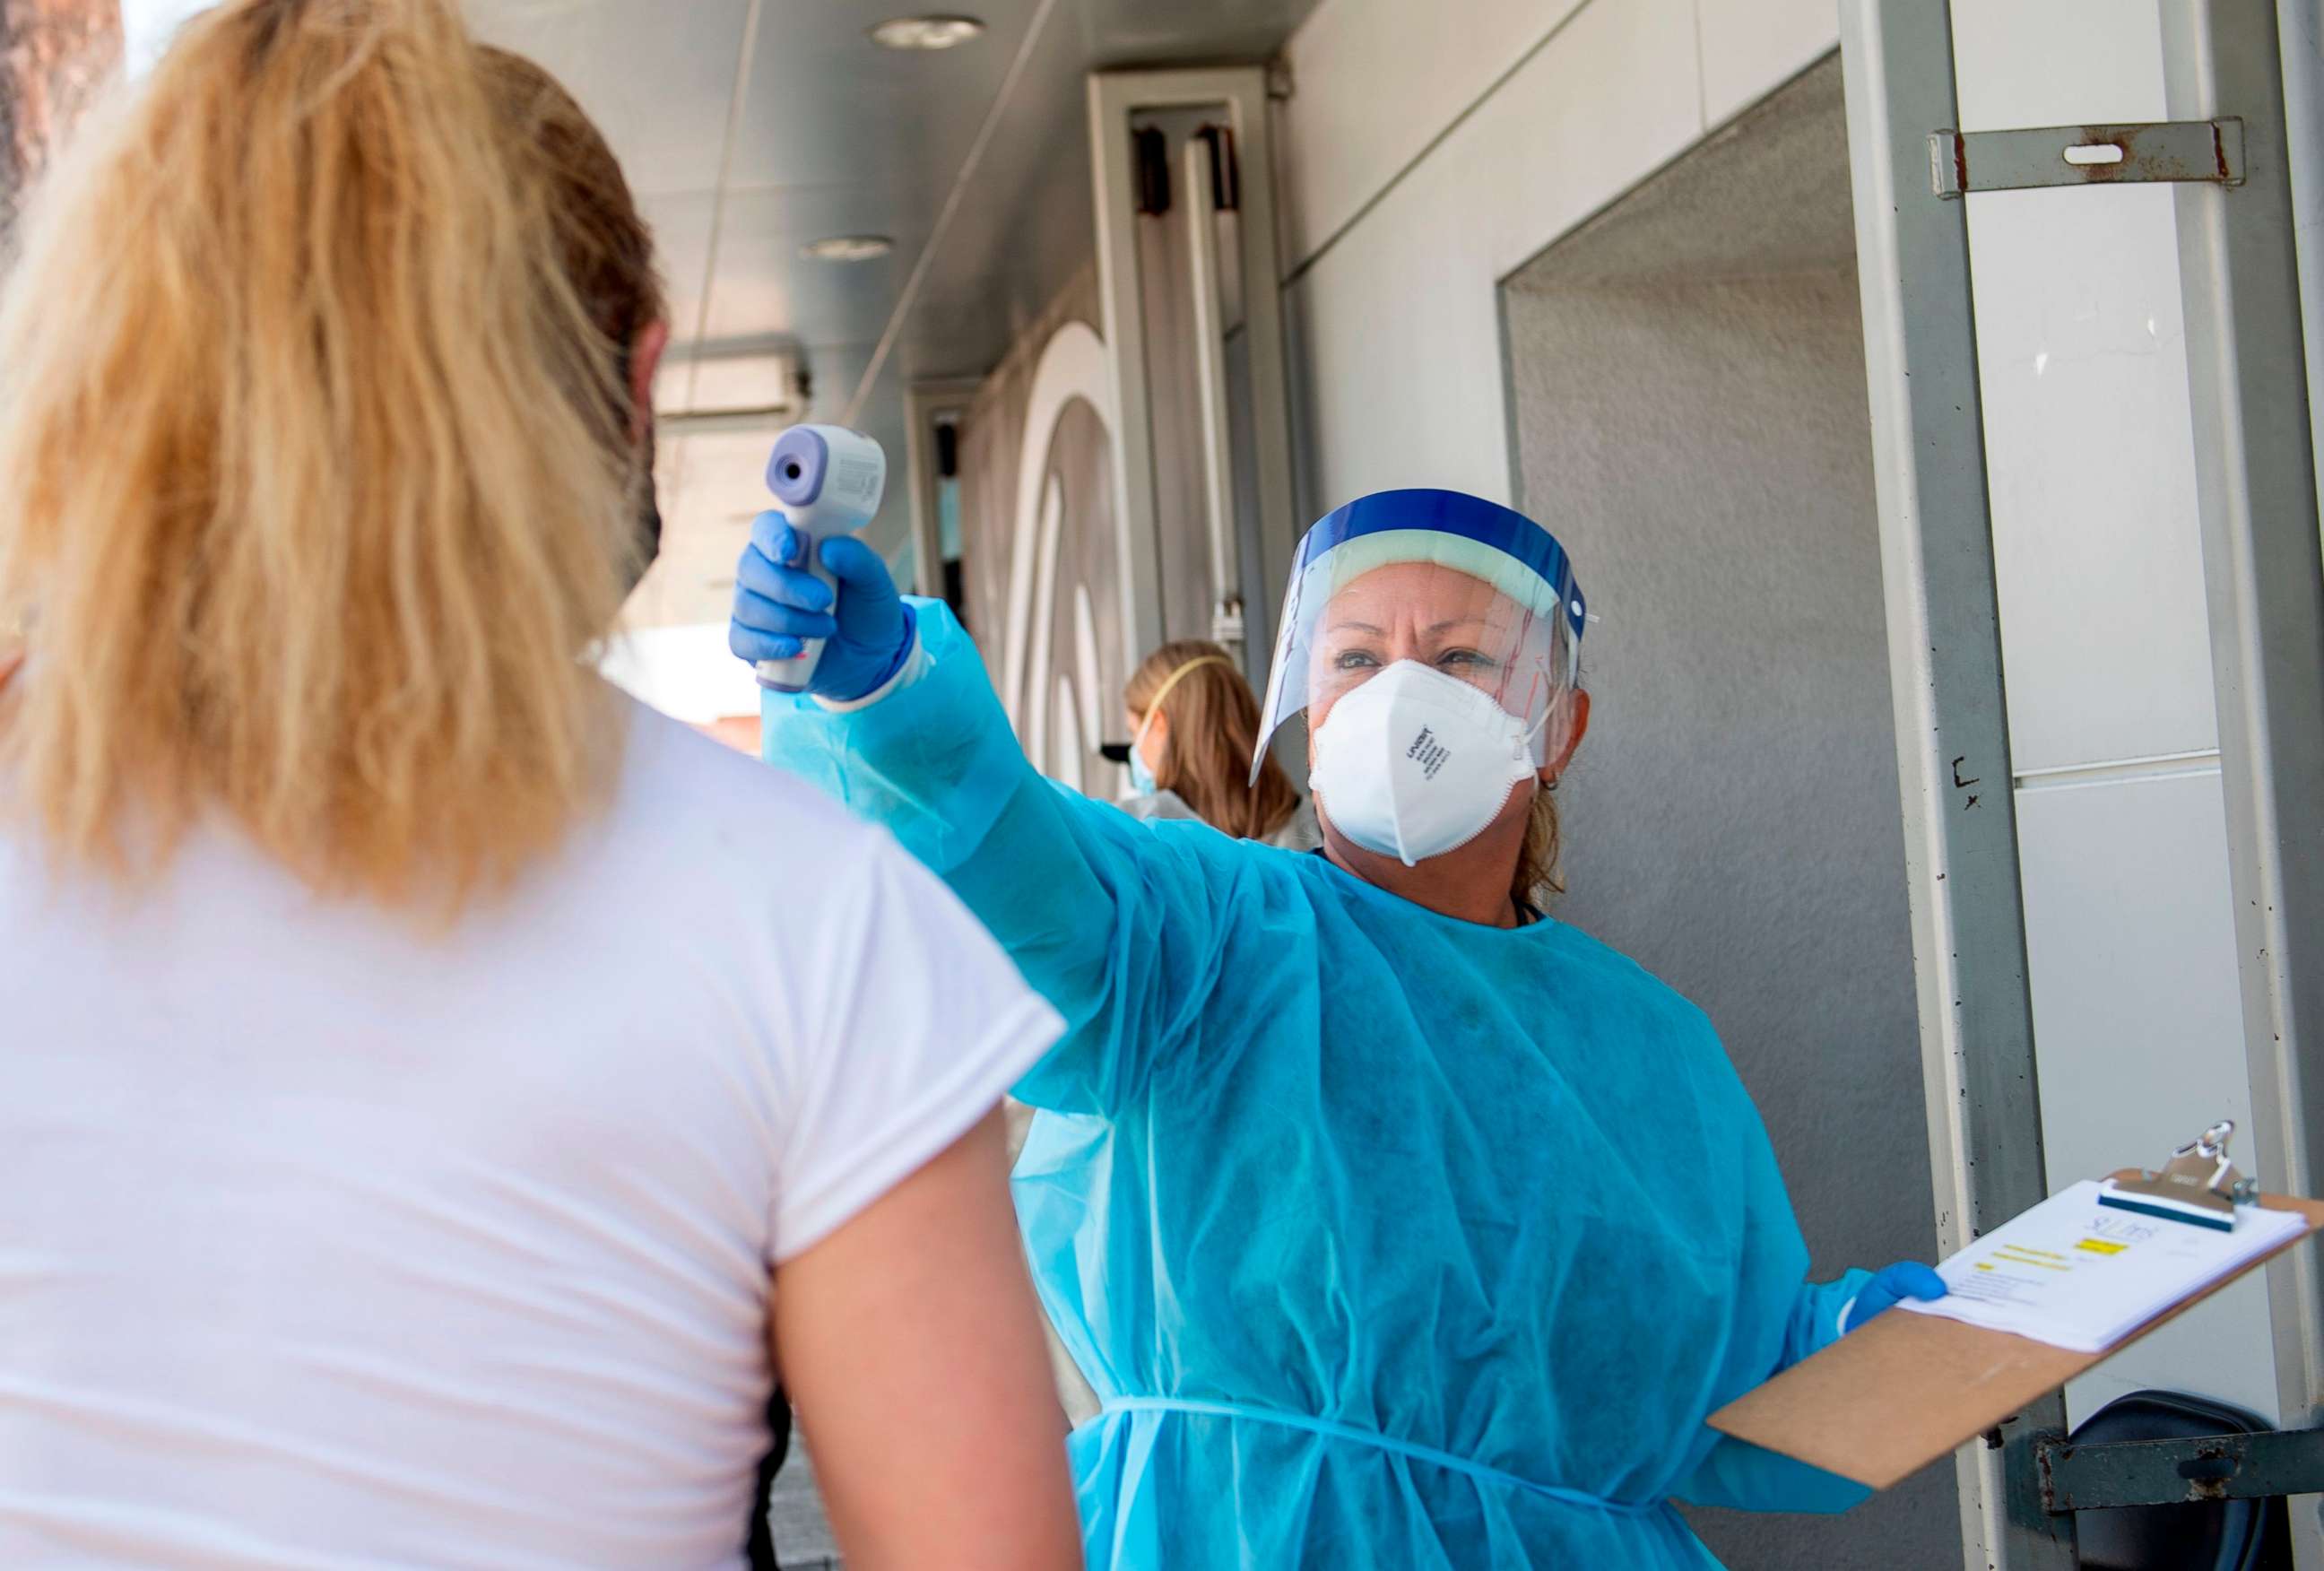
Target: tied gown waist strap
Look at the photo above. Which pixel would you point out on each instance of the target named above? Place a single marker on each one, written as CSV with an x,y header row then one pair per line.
x,y
1378,1442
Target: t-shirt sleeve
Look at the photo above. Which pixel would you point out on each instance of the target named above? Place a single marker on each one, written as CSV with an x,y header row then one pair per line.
x,y
916,1026
1127,928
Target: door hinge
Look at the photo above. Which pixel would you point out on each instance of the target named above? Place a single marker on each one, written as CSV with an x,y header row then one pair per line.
x,y
2112,1473
2166,151
1150,157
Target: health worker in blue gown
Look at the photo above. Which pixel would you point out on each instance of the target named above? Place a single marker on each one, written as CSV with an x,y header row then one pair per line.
x,y
1398,1225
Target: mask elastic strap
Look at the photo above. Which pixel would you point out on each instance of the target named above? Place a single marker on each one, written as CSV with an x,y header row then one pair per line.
x,y
1538,727
1169,682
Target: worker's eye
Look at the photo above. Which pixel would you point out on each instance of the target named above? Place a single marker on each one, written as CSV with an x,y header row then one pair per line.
x,y
1354,659
1468,660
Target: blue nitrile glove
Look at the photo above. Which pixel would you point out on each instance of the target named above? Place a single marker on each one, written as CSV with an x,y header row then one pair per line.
x,y
1905,1280
777,605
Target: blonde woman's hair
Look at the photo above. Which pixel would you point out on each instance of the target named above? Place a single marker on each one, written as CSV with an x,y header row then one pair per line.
x,y
1214,731
319,471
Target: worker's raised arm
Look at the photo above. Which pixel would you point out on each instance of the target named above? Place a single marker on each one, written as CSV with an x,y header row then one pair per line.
x,y
1122,925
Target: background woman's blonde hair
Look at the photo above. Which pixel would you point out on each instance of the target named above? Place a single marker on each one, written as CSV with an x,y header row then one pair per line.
x,y
1214,728
319,471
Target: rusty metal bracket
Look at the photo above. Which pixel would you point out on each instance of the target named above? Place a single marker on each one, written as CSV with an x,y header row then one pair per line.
x,y
2211,1467
2181,150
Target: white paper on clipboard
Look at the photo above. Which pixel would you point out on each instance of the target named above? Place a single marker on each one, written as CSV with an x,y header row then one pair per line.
x,y
2082,1275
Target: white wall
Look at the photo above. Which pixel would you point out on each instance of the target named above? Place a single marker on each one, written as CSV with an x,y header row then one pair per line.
x,y
686,673
1425,162
1689,396
1426,157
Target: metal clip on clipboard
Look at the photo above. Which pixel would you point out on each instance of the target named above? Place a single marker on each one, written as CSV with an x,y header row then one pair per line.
x,y
1840,1410
2198,1185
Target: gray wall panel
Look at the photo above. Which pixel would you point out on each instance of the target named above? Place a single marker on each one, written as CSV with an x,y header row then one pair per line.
x,y
1689,393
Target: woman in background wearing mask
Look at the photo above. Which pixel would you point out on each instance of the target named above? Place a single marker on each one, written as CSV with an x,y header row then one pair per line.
x,y
1194,734
417,1137
1396,1224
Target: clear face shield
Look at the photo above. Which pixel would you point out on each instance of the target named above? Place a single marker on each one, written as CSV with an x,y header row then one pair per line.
x,y
1440,598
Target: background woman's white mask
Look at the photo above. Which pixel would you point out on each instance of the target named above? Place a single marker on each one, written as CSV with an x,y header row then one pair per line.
x,y
1413,764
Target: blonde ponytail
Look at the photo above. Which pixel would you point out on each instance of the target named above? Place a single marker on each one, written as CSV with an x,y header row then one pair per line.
x,y
317,470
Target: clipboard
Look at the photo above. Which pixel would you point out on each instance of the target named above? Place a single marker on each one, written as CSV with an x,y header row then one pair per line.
x,y
1904,1391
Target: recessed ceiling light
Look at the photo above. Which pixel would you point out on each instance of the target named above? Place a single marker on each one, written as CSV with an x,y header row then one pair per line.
x,y
847,248
926,31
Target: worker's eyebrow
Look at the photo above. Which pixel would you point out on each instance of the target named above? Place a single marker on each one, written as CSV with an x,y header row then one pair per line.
x,y
1355,626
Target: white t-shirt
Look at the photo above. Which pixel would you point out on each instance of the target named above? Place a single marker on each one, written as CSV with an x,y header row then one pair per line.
x,y
328,1241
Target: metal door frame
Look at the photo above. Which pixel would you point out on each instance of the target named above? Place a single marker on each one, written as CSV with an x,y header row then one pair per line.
x,y
1952,729
923,401
2264,587
2264,572
1114,97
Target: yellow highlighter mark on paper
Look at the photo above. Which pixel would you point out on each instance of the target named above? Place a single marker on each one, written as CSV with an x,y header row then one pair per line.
x,y
2046,1260
2100,1246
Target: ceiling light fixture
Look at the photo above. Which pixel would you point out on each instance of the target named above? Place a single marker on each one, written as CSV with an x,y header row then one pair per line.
x,y
926,32
847,248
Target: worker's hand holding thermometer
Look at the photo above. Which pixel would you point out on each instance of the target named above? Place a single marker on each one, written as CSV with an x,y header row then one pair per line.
x,y
815,608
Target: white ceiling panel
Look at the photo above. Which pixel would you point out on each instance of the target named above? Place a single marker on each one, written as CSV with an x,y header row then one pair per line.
x,y
765,286
838,136
656,77
827,106
681,226
1138,32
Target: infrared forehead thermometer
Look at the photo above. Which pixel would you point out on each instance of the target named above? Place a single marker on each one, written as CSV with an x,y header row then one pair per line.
x,y
827,480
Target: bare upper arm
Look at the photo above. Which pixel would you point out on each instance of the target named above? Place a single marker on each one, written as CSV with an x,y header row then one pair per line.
x,y
911,1342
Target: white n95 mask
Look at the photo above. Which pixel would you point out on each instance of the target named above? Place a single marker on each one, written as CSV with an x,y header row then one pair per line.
x,y
1413,764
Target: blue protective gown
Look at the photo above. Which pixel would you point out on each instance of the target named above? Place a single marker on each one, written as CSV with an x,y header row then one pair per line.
x,y
1391,1242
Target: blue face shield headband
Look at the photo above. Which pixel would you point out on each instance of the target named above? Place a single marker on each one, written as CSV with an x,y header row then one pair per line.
x,y
1464,586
